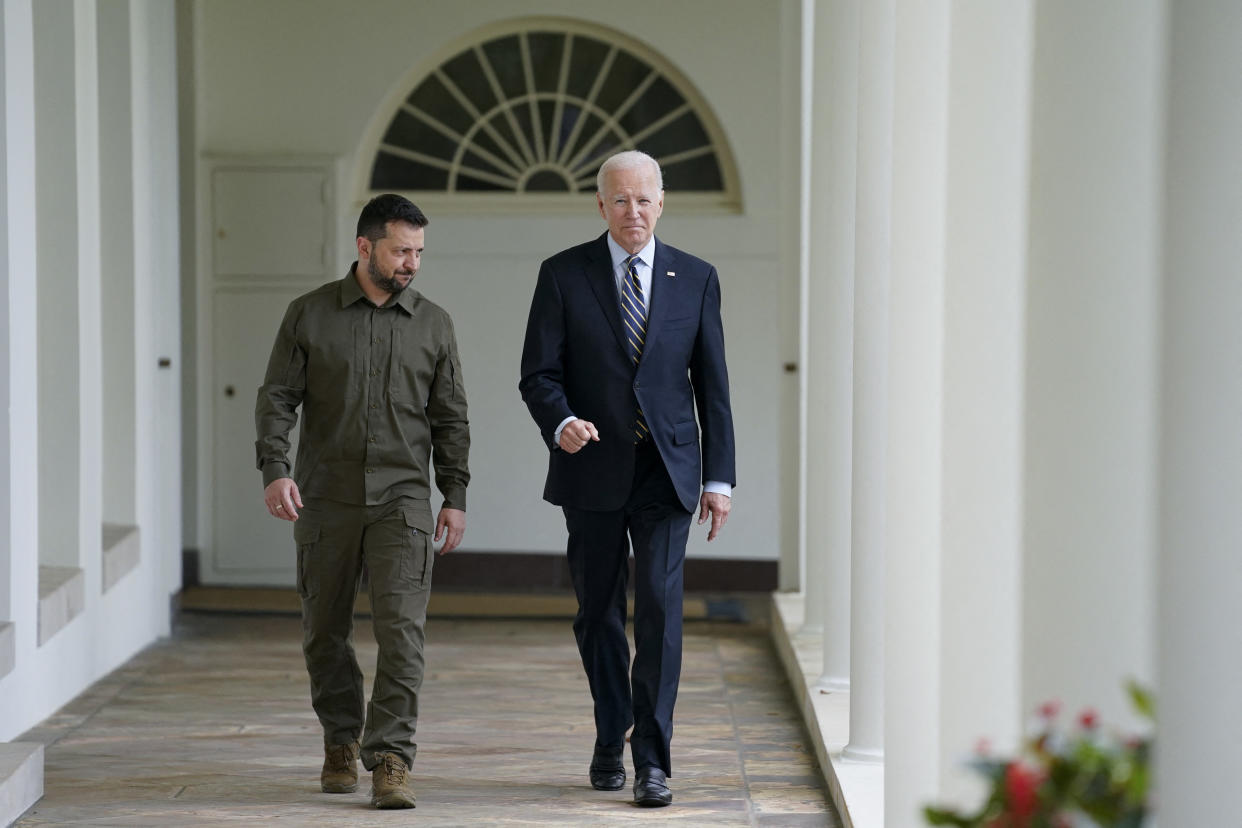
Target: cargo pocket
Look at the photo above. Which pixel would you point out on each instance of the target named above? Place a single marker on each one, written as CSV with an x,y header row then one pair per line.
x,y
417,558
306,536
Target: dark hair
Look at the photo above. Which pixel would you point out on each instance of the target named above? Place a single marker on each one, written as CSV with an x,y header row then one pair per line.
x,y
374,218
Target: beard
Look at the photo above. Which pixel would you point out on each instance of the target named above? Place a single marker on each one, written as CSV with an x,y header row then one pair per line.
x,y
387,283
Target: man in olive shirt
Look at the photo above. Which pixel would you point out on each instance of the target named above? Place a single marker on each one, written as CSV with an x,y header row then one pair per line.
x,y
374,366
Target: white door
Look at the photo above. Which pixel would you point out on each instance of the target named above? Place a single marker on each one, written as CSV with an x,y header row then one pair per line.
x,y
271,231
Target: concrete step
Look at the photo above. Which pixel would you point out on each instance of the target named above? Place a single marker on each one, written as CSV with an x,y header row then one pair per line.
x,y
21,778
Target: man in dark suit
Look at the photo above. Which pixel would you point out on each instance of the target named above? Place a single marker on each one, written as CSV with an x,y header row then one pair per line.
x,y
624,343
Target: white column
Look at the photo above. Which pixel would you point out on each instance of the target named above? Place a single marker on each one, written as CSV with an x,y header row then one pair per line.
x,y
194,493
6,359
119,417
871,296
56,203
794,58
89,396
157,296
984,357
1200,570
1092,342
830,335
912,577
954,462
20,574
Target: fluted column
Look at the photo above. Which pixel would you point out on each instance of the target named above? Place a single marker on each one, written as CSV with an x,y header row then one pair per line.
x,y
871,295
830,335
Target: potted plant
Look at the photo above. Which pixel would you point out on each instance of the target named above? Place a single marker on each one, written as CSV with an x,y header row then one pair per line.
x,y
1064,778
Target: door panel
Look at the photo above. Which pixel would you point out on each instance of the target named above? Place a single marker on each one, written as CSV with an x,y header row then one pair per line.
x,y
268,222
250,545
271,231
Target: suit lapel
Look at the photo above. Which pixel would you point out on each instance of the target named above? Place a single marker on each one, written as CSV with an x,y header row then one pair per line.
x,y
663,293
604,284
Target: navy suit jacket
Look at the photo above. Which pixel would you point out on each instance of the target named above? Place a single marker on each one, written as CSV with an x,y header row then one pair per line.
x,y
575,362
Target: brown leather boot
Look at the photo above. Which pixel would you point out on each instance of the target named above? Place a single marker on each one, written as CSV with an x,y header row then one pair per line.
x,y
340,768
390,782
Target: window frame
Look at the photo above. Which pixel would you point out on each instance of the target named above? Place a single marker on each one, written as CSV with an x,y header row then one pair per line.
x,y
725,200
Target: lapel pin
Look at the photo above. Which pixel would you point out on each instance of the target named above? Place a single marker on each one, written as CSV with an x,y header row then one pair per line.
x,y
670,274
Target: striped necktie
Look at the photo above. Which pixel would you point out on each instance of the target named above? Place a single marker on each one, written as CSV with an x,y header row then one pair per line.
x,y
634,314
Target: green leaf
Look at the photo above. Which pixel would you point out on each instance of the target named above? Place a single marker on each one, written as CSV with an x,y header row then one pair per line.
x,y
941,816
1142,700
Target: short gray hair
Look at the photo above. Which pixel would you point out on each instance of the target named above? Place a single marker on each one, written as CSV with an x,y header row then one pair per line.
x,y
627,160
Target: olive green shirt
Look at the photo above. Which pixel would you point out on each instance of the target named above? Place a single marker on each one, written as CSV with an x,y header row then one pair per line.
x,y
381,393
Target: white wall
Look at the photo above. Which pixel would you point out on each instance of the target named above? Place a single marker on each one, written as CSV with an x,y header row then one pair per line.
x,y
317,87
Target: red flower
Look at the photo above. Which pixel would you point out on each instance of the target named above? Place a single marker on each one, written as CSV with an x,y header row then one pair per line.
x,y
1088,719
1049,709
1021,789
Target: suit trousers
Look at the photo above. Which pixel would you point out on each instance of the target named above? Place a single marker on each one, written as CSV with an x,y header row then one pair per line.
x,y
336,542
655,522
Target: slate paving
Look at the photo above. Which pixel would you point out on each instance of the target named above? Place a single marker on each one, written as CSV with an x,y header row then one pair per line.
x,y
214,727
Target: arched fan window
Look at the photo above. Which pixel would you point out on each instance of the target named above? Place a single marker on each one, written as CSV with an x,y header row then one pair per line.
x,y
538,107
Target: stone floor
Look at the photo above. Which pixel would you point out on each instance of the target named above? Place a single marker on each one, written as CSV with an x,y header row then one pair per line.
x,y
214,727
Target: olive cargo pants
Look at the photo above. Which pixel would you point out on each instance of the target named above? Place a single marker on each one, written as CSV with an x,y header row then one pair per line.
x,y
335,542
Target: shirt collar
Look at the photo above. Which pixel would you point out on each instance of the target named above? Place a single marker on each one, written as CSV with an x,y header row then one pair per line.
x,y
619,254
350,292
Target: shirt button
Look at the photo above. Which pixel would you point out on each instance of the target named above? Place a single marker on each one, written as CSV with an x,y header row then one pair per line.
x,y
375,405
370,471
372,440
375,373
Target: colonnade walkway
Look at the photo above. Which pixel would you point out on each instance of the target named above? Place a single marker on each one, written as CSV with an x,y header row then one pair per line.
x,y
214,727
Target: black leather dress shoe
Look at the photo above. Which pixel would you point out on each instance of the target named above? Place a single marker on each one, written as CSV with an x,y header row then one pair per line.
x,y
651,788
607,770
